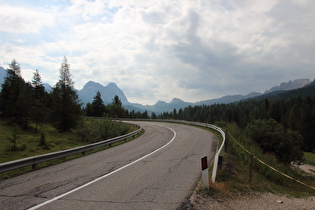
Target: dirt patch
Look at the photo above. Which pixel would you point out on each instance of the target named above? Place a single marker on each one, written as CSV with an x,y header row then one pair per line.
x,y
255,201
307,168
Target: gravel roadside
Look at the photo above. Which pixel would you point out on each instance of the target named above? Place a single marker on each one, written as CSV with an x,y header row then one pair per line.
x,y
257,201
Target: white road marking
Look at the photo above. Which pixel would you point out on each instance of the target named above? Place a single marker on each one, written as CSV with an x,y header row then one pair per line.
x,y
104,176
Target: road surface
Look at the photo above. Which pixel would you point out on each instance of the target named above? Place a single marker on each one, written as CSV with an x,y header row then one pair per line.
x,y
158,170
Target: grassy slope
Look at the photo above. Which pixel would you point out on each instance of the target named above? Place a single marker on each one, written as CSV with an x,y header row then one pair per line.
x,y
233,178
28,144
28,141
309,158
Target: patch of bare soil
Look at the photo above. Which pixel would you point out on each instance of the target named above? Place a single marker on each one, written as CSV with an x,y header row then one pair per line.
x,y
257,201
307,168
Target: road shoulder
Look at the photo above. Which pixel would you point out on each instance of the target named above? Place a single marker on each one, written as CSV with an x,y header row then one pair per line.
x,y
254,201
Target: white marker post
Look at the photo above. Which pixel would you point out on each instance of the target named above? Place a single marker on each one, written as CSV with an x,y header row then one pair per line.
x,y
205,173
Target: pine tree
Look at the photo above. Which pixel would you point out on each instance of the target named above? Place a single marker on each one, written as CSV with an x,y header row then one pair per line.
x,y
115,108
97,106
66,108
12,94
88,110
39,108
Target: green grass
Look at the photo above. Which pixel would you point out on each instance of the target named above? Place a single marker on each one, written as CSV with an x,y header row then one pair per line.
x,y
233,179
28,144
309,158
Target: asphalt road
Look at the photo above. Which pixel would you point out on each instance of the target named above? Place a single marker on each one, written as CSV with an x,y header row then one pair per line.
x,y
158,170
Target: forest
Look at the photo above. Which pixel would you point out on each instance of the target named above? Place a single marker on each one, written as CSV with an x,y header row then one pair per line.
x,y
280,123
24,102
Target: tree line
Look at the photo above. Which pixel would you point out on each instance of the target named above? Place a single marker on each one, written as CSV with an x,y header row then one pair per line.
x,y
282,125
22,103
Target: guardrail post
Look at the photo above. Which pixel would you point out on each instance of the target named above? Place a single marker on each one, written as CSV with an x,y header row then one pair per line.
x,y
205,172
220,162
226,143
83,152
251,167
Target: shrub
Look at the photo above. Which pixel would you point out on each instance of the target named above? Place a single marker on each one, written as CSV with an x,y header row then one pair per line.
x,y
100,130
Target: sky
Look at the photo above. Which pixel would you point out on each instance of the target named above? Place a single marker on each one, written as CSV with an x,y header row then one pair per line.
x,y
158,50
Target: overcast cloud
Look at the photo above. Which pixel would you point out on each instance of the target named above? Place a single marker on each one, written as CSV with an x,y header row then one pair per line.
x,y
157,50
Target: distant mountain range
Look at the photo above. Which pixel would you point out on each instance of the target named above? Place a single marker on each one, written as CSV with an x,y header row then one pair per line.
x,y
87,93
108,92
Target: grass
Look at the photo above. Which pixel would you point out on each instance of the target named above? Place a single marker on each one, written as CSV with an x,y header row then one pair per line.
x,y
233,179
29,144
309,158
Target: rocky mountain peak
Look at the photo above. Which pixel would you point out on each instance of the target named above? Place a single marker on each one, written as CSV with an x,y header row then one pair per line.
x,y
290,85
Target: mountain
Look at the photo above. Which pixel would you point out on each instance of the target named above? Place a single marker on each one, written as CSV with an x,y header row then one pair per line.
x,y
3,73
291,85
107,92
47,87
162,106
307,90
285,86
312,83
228,99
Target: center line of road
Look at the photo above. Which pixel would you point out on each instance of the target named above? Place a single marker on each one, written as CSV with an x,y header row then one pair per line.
x,y
106,175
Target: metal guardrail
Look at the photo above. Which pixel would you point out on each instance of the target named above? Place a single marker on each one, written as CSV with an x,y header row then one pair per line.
x,y
32,161
218,153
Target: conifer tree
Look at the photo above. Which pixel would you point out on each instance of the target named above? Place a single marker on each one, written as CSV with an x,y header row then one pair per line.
x,y
97,106
115,108
13,94
39,108
66,108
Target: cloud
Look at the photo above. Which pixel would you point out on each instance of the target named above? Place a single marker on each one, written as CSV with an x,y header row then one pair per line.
x,y
158,50
23,20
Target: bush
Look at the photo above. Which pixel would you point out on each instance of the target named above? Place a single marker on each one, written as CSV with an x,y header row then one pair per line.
x,y
100,130
42,141
272,137
14,138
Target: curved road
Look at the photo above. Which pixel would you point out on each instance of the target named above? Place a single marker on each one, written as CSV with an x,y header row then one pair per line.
x,y
158,170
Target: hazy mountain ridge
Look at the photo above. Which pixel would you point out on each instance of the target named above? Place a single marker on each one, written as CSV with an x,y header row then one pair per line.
x,y
162,106
87,93
176,103
228,99
291,85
